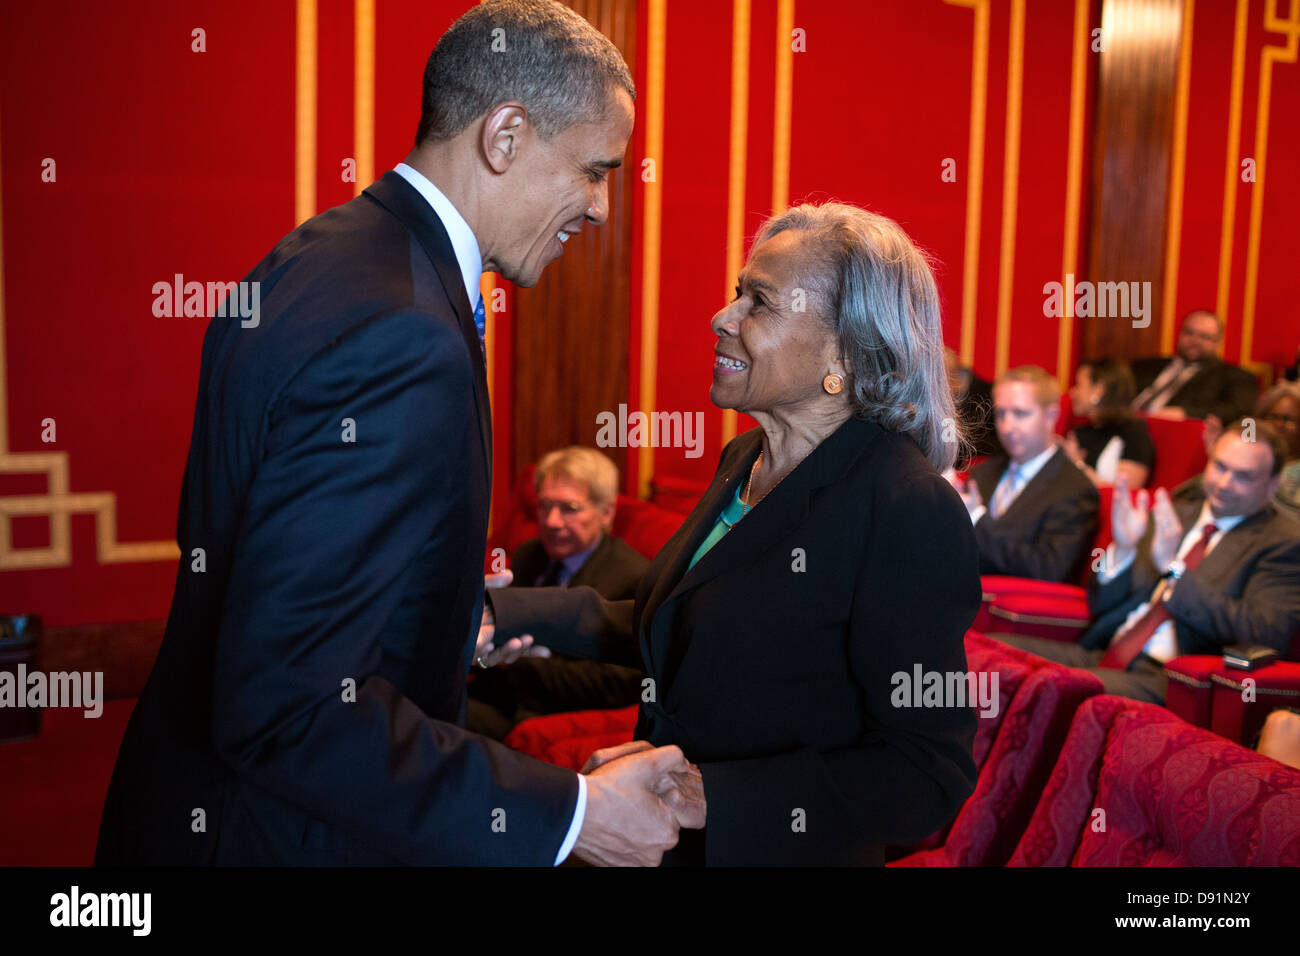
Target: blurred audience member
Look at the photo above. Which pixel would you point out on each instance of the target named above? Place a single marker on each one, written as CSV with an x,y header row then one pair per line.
x,y
1034,511
973,397
1195,382
1115,441
576,492
1280,407
1214,566
1280,738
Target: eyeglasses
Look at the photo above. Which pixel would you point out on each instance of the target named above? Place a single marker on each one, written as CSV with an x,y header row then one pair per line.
x,y
1291,421
568,509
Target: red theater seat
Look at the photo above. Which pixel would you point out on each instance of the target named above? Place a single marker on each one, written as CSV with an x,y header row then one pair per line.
x,y
567,740
1180,450
1137,786
1014,752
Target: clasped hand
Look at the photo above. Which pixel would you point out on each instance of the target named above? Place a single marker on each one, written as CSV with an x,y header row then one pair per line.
x,y
638,796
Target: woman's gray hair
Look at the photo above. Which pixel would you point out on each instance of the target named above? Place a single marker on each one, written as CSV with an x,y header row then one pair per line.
x,y
538,52
876,290
1283,389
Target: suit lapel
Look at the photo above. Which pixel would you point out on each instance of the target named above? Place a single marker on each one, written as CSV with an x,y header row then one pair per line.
x,y
401,199
1037,487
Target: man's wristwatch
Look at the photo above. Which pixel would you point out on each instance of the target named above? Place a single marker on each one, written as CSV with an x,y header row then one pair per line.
x,y
1176,569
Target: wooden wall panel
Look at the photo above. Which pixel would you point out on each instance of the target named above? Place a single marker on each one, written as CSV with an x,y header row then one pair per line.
x,y
571,329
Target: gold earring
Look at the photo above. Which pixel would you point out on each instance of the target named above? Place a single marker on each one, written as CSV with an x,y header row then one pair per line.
x,y
833,383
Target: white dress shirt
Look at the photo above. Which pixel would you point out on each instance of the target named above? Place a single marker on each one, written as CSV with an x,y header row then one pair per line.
x,y
470,260
1163,645
463,243
1025,475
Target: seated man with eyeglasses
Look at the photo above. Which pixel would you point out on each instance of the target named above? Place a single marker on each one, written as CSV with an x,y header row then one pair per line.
x,y
576,490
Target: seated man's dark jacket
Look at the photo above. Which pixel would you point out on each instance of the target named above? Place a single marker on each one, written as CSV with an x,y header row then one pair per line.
x,y
309,693
1047,530
1245,591
503,696
1218,387
775,657
614,568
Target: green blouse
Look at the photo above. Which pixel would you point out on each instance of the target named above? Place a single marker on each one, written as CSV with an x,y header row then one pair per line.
x,y
733,512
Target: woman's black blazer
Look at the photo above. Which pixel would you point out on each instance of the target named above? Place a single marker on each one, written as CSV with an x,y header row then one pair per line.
x,y
772,662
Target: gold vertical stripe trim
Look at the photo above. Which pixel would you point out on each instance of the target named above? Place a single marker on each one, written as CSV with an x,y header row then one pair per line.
x,y
486,285
1010,183
304,204
363,92
740,20
1268,56
979,75
4,361
1231,168
1073,183
784,107
656,51
1177,178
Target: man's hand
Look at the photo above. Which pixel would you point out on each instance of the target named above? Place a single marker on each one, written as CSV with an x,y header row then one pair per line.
x,y
627,823
486,654
970,496
683,793
1128,520
1169,531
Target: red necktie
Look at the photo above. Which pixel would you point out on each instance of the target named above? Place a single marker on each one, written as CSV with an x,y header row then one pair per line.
x,y
1122,651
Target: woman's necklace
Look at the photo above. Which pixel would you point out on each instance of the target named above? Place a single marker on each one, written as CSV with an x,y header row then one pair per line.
x,y
744,498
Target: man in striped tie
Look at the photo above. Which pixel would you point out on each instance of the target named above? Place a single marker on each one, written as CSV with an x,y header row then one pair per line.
x,y
1215,565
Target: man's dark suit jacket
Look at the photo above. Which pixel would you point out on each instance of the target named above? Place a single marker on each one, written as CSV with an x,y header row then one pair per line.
x,y
310,685
614,568
1047,530
1245,591
774,659
1217,388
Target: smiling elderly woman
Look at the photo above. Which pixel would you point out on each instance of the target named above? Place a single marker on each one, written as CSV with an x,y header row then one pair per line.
x,y
827,557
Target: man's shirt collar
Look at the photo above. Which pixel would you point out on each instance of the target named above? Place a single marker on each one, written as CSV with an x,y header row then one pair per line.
x,y
463,243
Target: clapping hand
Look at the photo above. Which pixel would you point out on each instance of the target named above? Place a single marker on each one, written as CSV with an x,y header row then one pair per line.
x,y
486,654
970,495
1129,522
1169,531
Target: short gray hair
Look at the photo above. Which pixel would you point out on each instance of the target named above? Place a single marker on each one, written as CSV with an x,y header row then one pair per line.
x,y
583,465
537,52
877,292
1283,389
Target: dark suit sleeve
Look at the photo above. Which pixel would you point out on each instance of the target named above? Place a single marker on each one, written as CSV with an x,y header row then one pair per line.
x,y
1268,611
1052,551
329,532
1238,396
576,621
917,591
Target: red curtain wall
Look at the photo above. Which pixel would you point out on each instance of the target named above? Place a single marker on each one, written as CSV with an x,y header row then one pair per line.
x,y
171,161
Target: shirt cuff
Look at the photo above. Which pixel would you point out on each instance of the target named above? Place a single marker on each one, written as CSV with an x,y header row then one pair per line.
x,y
1110,572
579,812
977,514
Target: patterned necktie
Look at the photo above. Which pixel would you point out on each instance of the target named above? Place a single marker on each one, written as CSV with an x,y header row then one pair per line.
x,y
480,323
1006,492
1128,644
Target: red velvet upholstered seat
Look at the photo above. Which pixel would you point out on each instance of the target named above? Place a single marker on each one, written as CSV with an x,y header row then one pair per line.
x,y
568,739
1136,786
1014,753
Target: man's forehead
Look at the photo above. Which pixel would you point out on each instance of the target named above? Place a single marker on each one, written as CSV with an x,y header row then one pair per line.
x,y
1236,453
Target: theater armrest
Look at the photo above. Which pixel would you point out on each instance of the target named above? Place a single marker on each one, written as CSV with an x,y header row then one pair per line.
x,y
1189,694
1040,615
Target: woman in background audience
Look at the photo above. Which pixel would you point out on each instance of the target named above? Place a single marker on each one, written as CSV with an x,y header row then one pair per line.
x,y
1280,407
1115,442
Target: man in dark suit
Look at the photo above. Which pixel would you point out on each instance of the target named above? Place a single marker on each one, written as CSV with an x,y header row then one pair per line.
x,y
307,703
1215,565
1195,382
576,491
1033,510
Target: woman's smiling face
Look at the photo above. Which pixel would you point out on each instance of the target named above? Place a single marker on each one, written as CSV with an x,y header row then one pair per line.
x,y
773,347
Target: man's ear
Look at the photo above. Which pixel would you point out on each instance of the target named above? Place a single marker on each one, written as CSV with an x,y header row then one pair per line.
x,y
505,129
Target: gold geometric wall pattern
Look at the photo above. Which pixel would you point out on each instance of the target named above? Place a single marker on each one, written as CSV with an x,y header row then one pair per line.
x,y
58,503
